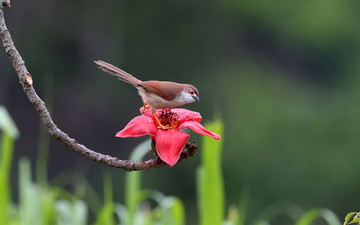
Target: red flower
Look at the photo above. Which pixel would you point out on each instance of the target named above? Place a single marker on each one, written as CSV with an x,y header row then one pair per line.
x,y
169,142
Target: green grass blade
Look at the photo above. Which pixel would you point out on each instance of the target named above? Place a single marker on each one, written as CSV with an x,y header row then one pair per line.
x,y
232,216
7,124
6,153
174,211
9,134
37,203
67,177
210,180
4,199
121,213
263,222
108,192
29,207
48,202
74,212
44,136
106,215
244,200
326,214
42,155
7,147
133,181
278,209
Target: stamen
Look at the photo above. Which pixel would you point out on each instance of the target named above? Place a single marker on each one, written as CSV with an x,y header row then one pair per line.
x,y
168,119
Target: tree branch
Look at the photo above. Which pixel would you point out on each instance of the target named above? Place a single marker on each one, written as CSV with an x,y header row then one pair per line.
x,y
27,84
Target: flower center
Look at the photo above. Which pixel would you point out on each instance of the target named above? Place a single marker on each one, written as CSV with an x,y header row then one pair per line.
x,y
168,119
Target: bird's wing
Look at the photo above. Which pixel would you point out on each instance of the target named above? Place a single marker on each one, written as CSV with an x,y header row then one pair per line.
x,y
167,92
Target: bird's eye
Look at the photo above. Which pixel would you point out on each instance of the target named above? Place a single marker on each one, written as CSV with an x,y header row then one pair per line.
x,y
192,92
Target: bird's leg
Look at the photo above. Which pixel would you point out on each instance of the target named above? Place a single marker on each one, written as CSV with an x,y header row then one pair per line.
x,y
145,108
158,123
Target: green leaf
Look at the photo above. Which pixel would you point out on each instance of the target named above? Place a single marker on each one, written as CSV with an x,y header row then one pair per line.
x,y
174,212
36,203
28,206
263,222
351,218
233,216
106,213
326,214
7,124
48,202
133,181
6,153
122,213
271,212
44,136
74,212
210,187
66,177
348,217
244,200
9,134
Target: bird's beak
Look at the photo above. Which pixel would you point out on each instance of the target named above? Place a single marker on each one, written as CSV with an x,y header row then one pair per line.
x,y
196,98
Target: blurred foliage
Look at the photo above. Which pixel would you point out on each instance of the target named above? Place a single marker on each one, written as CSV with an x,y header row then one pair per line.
x,y
40,203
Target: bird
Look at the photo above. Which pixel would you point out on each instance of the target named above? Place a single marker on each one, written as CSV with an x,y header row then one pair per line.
x,y
155,94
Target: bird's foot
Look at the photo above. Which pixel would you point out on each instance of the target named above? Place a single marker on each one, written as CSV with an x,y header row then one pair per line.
x,y
145,108
159,125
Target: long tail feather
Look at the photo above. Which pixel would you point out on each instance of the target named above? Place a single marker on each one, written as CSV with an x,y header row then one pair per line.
x,y
117,72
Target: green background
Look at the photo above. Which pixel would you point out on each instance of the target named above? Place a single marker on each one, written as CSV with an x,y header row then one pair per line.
x,y
283,76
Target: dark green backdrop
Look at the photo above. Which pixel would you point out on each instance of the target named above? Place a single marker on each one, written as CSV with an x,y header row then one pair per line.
x,y
283,75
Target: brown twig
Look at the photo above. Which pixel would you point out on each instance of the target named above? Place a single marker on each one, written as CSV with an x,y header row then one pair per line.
x,y
26,82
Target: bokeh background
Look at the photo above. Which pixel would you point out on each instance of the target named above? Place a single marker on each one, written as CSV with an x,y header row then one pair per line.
x,y
283,76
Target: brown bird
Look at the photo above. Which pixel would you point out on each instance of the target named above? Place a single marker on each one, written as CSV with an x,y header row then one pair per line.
x,y
155,94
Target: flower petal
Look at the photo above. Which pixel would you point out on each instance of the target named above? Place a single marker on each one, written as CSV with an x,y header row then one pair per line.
x,y
169,144
139,126
185,115
198,128
147,112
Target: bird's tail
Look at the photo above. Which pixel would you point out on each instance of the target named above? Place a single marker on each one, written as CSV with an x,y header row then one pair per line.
x,y
116,72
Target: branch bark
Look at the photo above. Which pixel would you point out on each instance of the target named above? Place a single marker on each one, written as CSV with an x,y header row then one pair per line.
x,y
27,84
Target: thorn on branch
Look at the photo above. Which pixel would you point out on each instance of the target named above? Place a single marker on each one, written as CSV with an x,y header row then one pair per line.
x,y
28,79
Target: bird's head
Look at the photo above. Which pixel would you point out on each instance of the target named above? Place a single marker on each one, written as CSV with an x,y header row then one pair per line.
x,y
190,94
